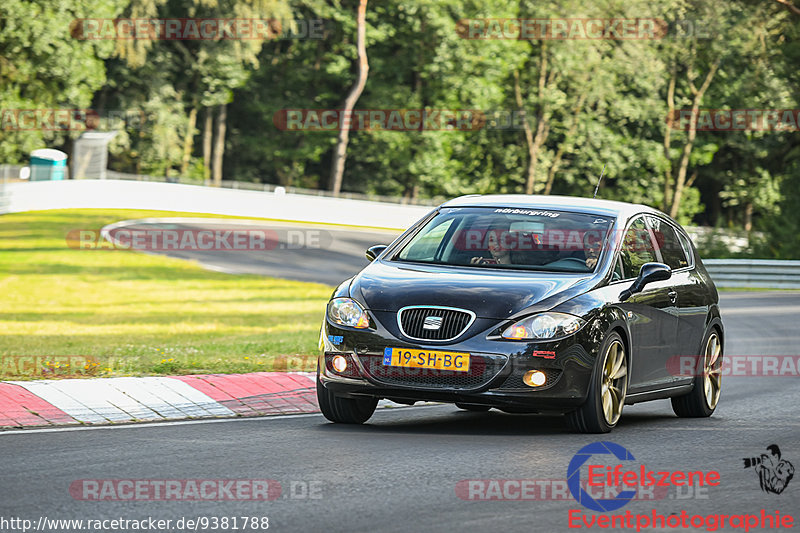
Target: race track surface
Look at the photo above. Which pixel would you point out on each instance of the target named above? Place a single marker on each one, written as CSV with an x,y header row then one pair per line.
x,y
400,471
301,252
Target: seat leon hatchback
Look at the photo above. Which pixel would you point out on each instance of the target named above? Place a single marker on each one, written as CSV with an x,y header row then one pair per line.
x,y
535,304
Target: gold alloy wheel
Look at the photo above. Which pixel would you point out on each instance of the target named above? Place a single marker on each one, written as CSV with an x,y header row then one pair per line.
x,y
712,371
614,386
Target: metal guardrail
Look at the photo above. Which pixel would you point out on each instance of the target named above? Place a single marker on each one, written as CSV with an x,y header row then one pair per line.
x,y
754,273
268,187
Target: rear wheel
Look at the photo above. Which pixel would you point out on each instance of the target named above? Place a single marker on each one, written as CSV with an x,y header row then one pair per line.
x,y
704,397
344,410
607,390
473,407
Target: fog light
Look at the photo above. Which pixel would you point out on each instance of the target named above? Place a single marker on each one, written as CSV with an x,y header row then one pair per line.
x,y
339,363
534,378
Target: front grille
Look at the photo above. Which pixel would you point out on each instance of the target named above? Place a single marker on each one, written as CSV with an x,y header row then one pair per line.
x,y
443,323
482,369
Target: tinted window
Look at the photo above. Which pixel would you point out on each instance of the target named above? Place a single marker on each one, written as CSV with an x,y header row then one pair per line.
x,y
637,248
511,238
426,243
618,272
687,247
668,243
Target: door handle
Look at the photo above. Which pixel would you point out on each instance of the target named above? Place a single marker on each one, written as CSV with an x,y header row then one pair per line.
x,y
673,296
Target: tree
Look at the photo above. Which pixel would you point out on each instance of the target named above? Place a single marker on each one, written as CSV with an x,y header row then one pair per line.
x,y
340,152
42,67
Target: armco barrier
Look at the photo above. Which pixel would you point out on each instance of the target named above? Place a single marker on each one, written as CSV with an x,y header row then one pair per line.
x,y
119,194
126,194
755,273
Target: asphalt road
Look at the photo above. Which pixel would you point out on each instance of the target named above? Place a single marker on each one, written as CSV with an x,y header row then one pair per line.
x,y
400,471
301,252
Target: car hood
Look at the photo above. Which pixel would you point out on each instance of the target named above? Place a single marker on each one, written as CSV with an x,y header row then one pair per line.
x,y
488,293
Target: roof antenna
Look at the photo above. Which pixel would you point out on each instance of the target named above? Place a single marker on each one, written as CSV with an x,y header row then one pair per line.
x,y
598,182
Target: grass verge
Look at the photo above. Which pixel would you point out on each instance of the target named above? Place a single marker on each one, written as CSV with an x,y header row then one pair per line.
x,y
65,311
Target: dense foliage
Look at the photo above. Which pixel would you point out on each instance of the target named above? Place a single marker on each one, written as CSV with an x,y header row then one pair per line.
x,y
579,104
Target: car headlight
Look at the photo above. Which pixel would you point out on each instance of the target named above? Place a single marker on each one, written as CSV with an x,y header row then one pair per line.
x,y
347,312
544,326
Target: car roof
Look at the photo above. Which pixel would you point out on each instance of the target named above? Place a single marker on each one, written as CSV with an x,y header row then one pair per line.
x,y
534,201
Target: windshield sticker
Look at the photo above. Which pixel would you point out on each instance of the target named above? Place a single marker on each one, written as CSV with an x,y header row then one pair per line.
x,y
509,211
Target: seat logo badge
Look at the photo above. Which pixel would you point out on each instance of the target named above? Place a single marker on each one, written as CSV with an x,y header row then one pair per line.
x,y
432,322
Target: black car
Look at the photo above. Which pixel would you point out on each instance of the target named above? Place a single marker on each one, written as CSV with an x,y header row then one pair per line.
x,y
527,304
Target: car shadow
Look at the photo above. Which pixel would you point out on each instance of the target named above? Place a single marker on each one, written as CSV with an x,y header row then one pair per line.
x,y
456,422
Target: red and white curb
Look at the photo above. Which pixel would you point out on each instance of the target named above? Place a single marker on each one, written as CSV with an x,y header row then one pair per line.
x,y
128,399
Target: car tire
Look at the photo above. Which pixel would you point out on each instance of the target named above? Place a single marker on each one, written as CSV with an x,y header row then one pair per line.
x,y
344,410
473,407
702,402
591,417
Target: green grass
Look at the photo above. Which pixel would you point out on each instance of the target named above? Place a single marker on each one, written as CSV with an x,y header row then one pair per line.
x,y
137,314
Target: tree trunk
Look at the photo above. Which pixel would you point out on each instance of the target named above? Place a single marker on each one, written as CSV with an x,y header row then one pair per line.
x,y
573,127
219,145
794,9
526,127
668,140
748,218
534,142
340,151
208,131
188,141
680,180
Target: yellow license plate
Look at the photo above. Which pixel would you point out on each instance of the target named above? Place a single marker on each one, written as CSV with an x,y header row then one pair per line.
x,y
434,359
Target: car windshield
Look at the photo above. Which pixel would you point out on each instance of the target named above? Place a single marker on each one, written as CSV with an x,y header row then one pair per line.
x,y
510,238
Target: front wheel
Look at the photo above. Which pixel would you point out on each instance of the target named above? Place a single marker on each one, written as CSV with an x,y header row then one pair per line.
x,y
607,390
704,397
344,410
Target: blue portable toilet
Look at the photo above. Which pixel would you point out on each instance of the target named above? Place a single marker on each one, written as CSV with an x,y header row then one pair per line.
x,y
48,164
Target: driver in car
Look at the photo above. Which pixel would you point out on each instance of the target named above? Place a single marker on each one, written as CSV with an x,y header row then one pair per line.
x,y
499,255
591,249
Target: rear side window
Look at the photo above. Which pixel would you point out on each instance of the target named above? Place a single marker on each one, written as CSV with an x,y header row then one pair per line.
x,y
687,248
637,249
668,243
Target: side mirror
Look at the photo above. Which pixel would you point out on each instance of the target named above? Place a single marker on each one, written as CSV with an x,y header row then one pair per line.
x,y
375,251
649,273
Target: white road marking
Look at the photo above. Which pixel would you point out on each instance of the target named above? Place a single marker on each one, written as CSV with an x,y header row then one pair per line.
x,y
186,422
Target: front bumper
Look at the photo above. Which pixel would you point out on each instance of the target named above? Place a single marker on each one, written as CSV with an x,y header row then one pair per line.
x,y
494,377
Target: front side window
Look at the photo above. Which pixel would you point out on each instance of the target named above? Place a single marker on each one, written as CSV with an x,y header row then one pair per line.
x,y
510,238
637,248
